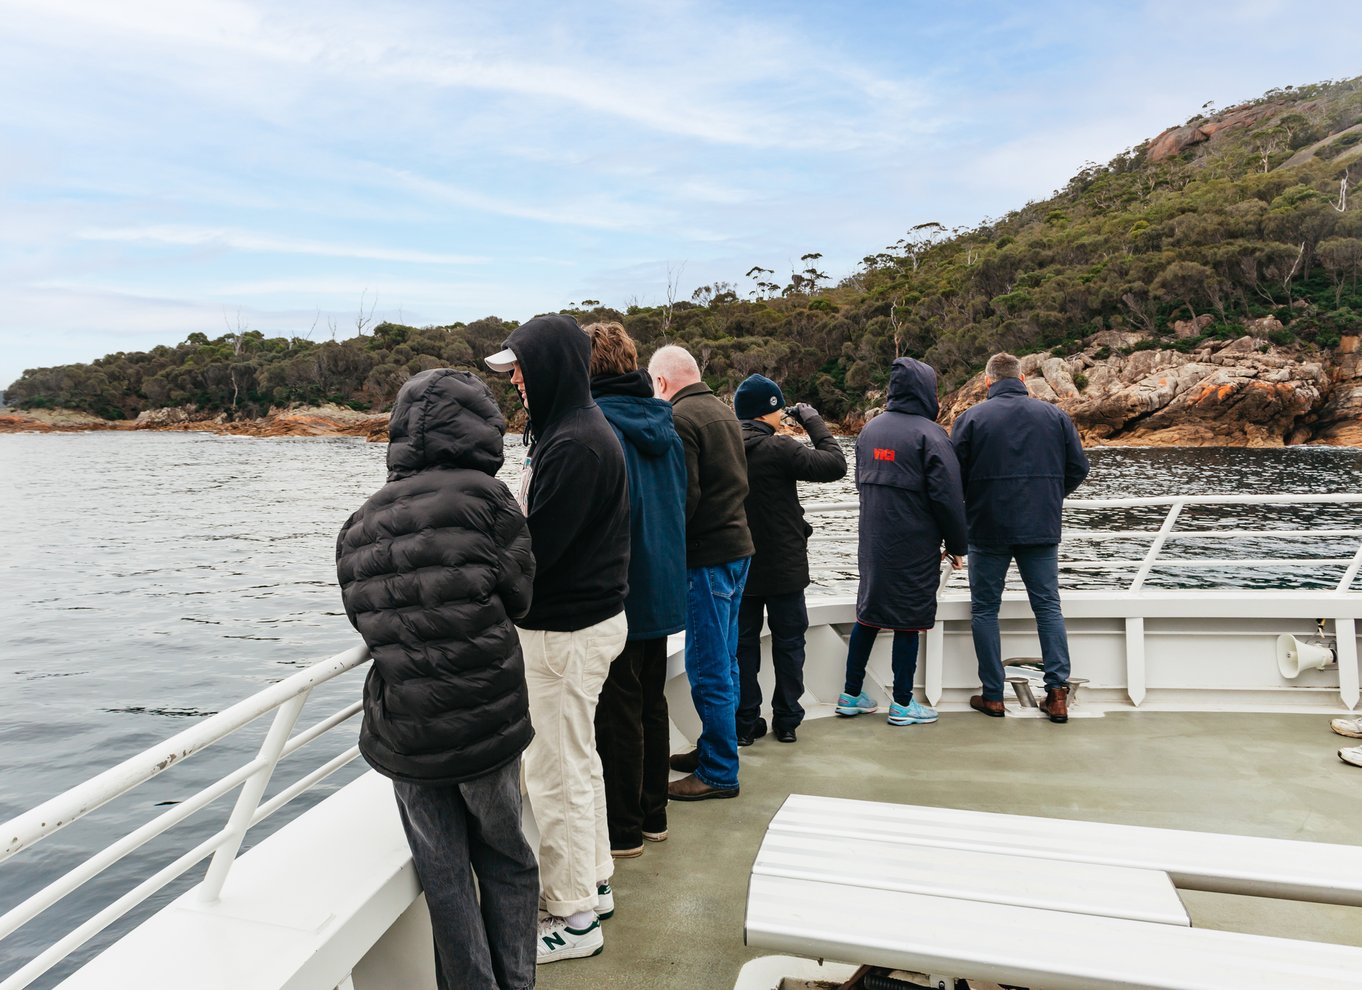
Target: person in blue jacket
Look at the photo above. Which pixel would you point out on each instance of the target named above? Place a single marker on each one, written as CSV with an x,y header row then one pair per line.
x,y
1019,458
911,503
632,730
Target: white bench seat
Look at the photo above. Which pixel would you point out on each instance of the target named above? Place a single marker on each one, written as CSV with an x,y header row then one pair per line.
x,y
1141,895
1029,946
1327,873
1040,902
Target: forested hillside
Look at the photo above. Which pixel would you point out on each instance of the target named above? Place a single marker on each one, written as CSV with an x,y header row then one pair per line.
x,y
1233,216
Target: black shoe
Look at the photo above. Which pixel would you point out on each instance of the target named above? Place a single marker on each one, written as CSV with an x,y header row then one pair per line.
x,y
746,737
785,735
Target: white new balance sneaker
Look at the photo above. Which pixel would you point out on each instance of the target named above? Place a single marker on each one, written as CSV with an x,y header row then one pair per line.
x,y
1350,727
558,941
605,900
1353,756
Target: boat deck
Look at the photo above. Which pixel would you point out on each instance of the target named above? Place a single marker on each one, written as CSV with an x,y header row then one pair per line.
x,y
680,907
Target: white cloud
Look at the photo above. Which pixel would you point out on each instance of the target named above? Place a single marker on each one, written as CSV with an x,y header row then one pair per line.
x,y
267,244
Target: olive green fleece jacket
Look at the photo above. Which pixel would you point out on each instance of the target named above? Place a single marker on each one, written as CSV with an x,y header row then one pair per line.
x,y
716,478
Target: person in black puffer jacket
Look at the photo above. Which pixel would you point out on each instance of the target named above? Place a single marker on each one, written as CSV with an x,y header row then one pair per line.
x,y
432,569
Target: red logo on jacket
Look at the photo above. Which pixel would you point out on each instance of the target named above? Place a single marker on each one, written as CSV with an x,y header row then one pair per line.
x,y
884,453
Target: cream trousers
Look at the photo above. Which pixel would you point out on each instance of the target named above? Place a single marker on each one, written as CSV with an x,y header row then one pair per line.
x,y
564,672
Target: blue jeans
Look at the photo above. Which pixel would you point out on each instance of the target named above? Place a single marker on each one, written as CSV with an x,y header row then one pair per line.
x,y
903,657
712,598
789,620
1038,566
472,829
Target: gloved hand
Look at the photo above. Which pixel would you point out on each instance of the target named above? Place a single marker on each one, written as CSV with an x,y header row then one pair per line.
x,y
801,412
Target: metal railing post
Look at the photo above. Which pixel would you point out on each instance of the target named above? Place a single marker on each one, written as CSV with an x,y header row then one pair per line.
x,y
1346,581
249,799
1157,546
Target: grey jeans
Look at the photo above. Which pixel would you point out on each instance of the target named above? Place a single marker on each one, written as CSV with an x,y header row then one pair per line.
x,y
457,832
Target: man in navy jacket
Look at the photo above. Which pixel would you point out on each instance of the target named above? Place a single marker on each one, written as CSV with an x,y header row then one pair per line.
x,y
1019,458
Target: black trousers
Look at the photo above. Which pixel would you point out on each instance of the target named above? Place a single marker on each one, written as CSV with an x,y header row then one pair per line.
x,y
633,737
789,620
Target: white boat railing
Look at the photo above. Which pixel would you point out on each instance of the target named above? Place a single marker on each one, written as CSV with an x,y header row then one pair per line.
x,y
1166,532
285,699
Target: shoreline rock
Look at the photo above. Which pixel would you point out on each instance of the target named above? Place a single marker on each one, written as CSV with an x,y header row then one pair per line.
x,y
318,421
1119,390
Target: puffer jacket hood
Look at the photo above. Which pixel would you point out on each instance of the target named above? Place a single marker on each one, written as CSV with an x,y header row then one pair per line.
x,y
912,388
644,421
444,418
554,354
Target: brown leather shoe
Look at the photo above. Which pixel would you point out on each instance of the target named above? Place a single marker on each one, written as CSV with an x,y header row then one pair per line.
x,y
981,704
684,762
1056,704
692,788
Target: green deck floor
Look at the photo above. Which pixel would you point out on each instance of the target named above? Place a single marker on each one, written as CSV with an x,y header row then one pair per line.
x,y
679,908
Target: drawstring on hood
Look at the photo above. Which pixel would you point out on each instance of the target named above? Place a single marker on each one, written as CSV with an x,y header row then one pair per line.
x,y
912,388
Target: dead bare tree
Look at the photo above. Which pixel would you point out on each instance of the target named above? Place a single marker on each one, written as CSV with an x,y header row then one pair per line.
x,y
238,339
363,319
673,281
897,324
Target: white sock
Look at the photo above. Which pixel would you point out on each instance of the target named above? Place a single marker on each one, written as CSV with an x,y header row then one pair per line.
x,y
580,920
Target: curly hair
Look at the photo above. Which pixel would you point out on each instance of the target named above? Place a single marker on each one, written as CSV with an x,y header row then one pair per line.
x,y
612,349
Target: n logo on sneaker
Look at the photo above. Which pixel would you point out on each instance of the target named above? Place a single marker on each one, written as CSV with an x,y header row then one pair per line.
x,y
555,940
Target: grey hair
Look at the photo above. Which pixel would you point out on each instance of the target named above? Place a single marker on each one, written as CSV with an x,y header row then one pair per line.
x,y
676,364
1003,365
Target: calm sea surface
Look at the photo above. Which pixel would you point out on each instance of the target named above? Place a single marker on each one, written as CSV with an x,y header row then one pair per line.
x,y
150,579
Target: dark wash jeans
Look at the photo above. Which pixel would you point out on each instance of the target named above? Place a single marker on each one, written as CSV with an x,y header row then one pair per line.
x,y
1038,565
712,598
484,936
789,620
903,658
633,737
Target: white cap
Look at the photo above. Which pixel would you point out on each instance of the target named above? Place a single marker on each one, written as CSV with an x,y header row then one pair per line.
x,y
502,360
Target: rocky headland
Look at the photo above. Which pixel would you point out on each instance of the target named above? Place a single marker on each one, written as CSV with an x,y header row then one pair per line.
x,y
1243,392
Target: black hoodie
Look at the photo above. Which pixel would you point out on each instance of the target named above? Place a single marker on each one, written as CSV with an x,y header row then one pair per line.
x,y
578,495
432,569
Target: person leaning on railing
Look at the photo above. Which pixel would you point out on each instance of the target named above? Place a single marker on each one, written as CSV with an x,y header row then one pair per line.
x,y
780,566
432,569
1019,458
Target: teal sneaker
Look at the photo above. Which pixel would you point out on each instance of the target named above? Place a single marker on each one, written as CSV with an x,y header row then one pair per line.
x,y
911,714
859,705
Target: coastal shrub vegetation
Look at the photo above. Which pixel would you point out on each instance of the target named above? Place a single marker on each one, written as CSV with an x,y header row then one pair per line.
x,y
1243,214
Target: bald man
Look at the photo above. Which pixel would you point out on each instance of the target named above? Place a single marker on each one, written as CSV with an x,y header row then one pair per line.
x,y
718,551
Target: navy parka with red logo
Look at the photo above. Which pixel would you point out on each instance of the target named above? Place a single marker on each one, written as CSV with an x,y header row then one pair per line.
x,y
911,503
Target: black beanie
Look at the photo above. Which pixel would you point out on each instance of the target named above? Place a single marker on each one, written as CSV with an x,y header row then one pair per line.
x,y
757,396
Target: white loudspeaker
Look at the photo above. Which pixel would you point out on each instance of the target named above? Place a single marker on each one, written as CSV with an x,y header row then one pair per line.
x,y
1293,656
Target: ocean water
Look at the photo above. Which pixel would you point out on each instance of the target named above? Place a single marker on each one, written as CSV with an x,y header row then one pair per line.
x,y
150,579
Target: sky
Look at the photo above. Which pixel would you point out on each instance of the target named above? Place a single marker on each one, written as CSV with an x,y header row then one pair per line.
x,y
171,166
